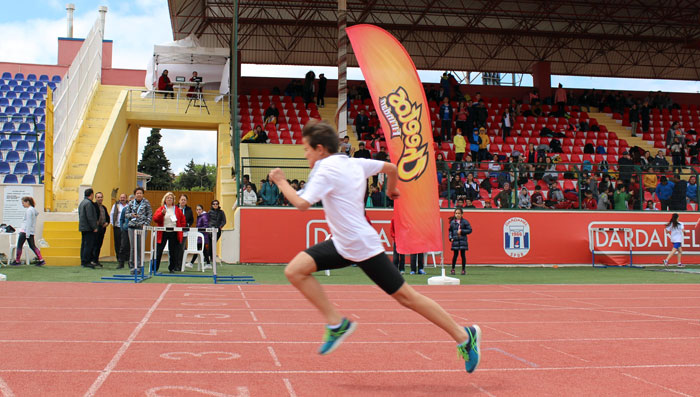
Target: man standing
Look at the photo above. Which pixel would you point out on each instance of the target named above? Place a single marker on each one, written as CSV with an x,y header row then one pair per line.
x,y
362,153
102,223
139,214
322,81
560,100
119,238
87,224
445,121
634,118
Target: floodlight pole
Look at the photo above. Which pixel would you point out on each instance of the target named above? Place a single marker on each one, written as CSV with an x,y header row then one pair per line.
x,y
233,101
341,116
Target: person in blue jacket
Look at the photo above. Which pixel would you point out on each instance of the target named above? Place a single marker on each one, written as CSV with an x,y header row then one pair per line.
x,y
459,229
663,192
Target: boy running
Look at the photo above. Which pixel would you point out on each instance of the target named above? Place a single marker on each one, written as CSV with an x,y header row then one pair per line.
x,y
340,183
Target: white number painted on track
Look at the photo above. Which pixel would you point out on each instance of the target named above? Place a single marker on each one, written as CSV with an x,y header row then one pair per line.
x,y
5,390
207,332
205,304
181,355
153,392
206,315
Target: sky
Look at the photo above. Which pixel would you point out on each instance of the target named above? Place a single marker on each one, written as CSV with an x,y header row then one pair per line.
x,y
31,27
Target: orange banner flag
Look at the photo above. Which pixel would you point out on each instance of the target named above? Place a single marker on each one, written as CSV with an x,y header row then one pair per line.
x,y
399,99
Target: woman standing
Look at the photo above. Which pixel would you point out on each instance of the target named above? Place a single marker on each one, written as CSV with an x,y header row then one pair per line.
x,y
217,218
168,216
459,228
675,230
26,233
203,222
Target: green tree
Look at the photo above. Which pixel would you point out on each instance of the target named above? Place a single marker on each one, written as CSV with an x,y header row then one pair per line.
x,y
154,163
197,177
187,179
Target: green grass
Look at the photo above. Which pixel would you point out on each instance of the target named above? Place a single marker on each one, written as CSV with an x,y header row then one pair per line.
x,y
273,274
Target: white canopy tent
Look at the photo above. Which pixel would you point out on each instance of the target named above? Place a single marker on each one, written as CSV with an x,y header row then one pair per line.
x,y
185,56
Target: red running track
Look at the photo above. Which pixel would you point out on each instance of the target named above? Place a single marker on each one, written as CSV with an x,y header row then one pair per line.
x,y
65,339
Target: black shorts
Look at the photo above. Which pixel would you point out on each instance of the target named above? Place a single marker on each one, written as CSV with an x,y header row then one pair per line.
x,y
378,268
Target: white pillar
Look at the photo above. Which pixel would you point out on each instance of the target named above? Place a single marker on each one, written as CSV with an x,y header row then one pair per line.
x,y
342,112
70,7
103,11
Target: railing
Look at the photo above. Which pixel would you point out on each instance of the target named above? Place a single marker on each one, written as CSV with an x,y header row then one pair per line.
x,y
178,101
74,93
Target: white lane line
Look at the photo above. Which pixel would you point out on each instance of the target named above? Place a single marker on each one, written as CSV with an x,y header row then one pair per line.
x,y
290,389
355,315
113,363
247,304
423,355
481,389
262,333
382,331
5,390
657,385
243,295
239,288
336,303
565,353
498,330
511,355
253,315
274,356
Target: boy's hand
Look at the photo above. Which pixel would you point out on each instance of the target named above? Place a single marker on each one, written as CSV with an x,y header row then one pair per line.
x,y
277,175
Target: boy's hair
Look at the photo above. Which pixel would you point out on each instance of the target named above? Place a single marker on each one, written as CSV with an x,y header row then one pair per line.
x,y
321,133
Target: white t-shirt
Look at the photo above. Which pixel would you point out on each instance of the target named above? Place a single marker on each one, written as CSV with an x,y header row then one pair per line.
x,y
676,233
340,182
170,219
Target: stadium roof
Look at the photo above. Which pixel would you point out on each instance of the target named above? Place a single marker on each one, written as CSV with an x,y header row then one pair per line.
x,y
608,38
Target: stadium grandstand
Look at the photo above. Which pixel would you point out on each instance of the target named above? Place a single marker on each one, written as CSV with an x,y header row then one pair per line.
x,y
88,123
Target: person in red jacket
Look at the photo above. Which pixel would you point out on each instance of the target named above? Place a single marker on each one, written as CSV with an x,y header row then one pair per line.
x,y
168,216
164,84
589,203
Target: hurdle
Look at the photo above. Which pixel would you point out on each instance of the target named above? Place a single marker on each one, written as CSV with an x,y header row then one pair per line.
x,y
217,279
628,239
139,275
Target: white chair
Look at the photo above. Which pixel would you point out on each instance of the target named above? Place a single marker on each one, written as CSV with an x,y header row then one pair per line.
x,y
425,258
191,248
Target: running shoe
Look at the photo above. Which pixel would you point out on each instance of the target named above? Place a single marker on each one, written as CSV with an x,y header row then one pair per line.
x,y
470,350
665,263
334,337
681,265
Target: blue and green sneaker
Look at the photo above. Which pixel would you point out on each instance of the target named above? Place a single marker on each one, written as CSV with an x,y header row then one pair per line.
x,y
470,350
334,337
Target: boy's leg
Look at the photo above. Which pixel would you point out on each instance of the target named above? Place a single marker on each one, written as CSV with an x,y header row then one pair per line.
x,y
298,272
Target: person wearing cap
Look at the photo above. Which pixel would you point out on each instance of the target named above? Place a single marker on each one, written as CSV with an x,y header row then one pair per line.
x,y
362,153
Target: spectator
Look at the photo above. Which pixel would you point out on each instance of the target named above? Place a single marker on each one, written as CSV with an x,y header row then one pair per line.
x,y
399,259
663,192
674,132
550,171
253,135
531,154
320,96
504,199
362,152
217,217
560,100
376,198
471,188
203,222
346,146
660,162
87,225
462,117
196,88
645,116
245,181
27,232
120,236
102,223
417,261
168,216
603,201
445,121
649,181
474,145
621,198
308,89
633,189
138,214
506,123
271,114
692,189
555,196
458,230
484,142
589,202
677,155
460,145
678,194
164,84
634,119
524,199
537,198
626,167
361,124
650,206
249,196
269,193
645,161
189,219
382,155
481,114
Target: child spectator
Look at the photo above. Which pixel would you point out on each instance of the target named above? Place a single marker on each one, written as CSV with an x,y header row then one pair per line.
x,y
537,198
621,198
504,199
692,189
271,114
460,145
27,231
589,202
524,199
249,196
458,231
474,144
650,206
484,142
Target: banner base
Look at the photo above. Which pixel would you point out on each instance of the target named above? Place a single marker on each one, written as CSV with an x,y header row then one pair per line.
x,y
443,280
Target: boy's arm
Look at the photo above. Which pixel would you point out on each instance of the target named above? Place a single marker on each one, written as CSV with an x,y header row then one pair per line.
x,y
277,176
392,178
